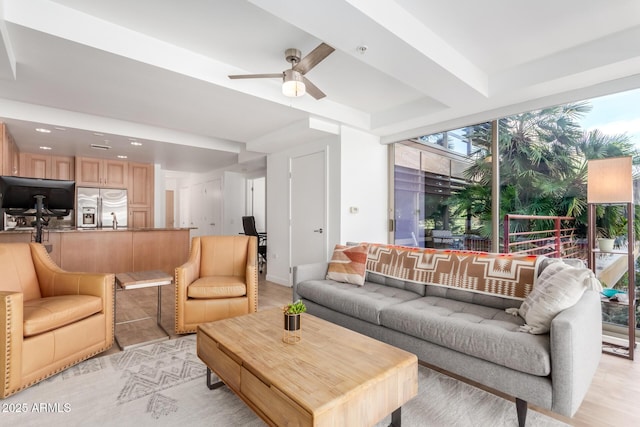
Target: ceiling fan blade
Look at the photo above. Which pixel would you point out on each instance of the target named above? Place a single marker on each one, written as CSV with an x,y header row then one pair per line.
x,y
256,76
313,58
313,89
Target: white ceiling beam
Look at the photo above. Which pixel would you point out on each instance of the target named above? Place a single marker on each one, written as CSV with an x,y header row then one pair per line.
x,y
60,21
394,39
71,119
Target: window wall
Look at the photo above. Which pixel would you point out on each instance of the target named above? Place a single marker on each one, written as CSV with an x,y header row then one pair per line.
x,y
428,171
442,182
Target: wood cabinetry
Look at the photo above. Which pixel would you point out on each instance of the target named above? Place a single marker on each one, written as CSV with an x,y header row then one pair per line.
x,y
112,251
34,165
137,178
63,167
103,173
9,162
140,195
97,251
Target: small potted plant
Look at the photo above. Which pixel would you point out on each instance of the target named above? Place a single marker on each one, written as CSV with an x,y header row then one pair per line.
x,y
613,225
292,314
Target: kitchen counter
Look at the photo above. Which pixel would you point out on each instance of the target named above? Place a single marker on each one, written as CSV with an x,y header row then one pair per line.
x,y
105,250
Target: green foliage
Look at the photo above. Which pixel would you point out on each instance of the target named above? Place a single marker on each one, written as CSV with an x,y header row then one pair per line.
x,y
543,168
295,308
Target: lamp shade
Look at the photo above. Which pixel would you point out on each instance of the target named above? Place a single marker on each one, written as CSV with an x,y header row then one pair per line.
x,y
610,180
292,84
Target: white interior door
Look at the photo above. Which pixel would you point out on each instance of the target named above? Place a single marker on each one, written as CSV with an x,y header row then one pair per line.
x,y
195,211
212,208
308,209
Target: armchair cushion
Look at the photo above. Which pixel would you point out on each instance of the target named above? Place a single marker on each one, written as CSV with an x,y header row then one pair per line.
x,y
217,287
47,314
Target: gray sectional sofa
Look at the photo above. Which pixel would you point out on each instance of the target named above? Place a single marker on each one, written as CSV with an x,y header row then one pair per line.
x,y
444,316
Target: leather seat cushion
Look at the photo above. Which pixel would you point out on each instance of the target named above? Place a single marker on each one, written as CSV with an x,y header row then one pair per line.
x,y
45,314
217,287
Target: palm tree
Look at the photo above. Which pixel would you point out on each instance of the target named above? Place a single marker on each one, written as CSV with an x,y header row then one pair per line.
x,y
543,156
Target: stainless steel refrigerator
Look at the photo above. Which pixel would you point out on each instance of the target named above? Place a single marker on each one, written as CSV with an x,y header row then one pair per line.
x,y
97,207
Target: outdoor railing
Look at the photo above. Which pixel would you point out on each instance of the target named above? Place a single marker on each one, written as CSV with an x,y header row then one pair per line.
x,y
555,240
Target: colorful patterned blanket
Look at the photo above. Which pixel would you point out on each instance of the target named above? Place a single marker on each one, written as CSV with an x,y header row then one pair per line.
x,y
504,275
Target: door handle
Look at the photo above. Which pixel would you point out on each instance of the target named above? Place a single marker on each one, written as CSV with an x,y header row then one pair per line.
x,y
319,230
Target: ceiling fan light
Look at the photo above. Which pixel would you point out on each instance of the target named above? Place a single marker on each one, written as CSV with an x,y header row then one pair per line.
x,y
292,84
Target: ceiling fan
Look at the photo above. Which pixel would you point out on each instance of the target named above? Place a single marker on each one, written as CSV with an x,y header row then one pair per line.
x,y
294,83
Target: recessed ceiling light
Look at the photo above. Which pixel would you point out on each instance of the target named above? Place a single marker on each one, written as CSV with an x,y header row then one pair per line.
x,y
43,130
120,156
44,147
98,134
136,143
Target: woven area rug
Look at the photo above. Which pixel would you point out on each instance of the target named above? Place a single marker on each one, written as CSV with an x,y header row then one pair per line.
x,y
163,384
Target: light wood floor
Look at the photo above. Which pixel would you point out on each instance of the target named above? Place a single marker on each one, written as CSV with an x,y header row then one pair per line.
x,y
612,400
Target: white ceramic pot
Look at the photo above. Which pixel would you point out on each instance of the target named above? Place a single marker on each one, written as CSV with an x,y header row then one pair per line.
x,y
606,245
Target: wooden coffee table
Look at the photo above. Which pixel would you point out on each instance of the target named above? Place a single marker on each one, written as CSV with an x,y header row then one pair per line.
x,y
333,376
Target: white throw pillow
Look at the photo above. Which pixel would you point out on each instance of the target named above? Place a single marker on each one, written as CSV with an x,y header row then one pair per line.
x,y
558,287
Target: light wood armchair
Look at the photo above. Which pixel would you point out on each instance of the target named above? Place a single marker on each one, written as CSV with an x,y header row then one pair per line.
x,y
50,319
219,280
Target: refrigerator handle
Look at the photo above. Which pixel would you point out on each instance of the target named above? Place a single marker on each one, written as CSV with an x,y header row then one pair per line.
x,y
99,221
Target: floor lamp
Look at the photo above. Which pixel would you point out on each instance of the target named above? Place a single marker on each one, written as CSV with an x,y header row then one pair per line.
x,y
610,182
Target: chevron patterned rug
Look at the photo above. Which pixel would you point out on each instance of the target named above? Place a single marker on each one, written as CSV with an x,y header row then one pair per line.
x,y
163,384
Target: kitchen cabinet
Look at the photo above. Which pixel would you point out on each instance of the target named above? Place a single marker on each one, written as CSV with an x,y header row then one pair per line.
x,y
9,161
102,173
140,195
63,167
96,251
140,217
35,165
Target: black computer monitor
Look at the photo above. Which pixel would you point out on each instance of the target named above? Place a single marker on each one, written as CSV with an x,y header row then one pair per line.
x,y
18,195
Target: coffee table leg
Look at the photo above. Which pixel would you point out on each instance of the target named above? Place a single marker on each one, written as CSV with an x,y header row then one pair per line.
x,y
215,385
396,418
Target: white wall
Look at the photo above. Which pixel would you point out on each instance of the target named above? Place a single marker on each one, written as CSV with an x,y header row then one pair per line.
x,y
364,187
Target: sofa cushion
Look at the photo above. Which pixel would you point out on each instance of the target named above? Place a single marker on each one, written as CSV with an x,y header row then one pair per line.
x,y
348,264
363,302
418,288
217,287
559,287
483,332
45,314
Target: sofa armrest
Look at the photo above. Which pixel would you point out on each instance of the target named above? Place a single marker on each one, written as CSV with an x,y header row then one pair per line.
x,y
11,324
188,272
304,272
576,348
55,281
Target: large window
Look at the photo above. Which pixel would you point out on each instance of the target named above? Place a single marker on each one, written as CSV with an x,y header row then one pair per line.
x,y
442,181
426,175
